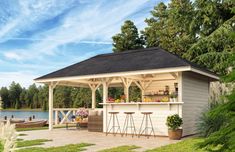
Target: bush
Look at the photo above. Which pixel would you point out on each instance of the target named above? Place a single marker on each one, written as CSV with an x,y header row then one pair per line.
x,y
224,138
174,122
209,122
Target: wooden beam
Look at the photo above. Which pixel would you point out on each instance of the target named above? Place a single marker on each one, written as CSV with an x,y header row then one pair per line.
x,y
73,84
87,81
174,75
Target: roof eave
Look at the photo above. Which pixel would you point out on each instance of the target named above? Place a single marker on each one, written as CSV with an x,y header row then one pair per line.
x,y
116,74
213,76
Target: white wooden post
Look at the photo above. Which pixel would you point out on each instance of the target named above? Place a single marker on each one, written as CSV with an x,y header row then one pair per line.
x,y
51,88
180,92
106,82
93,104
105,92
93,87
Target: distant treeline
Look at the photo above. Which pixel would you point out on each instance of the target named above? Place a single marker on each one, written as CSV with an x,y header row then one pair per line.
x,y
15,96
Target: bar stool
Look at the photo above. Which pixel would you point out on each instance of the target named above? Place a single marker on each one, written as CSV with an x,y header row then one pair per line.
x,y
129,119
113,118
147,119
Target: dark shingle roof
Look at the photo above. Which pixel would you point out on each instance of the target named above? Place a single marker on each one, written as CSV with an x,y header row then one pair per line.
x,y
133,60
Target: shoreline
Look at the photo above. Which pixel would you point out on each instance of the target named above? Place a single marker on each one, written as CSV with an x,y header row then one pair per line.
x,y
29,110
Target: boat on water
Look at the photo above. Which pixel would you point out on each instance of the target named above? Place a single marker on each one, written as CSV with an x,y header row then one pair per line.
x,y
31,124
17,120
21,123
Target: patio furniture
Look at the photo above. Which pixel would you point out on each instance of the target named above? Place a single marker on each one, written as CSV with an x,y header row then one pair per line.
x,y
76,123
95,121
79,124
146,119
113,118
129,123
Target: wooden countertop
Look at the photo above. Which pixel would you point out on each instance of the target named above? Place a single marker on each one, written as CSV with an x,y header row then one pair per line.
x,y
141,103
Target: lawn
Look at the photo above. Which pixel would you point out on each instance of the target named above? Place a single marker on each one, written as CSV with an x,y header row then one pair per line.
x,y
27,143
67,148
41,128
121,149
22,135
1,146
188,145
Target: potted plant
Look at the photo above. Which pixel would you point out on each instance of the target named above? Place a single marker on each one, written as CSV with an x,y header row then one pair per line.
x,y
81,117
174,122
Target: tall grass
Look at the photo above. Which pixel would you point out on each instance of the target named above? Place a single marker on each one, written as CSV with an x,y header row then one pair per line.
x,y
8,136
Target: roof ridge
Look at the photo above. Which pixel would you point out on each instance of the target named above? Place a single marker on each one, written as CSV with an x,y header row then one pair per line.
x,y
128,51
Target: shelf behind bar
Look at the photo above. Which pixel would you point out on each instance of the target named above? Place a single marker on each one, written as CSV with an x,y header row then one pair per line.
x,y
141,103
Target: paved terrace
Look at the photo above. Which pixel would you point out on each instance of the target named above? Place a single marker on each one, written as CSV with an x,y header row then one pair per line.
x,y
63,137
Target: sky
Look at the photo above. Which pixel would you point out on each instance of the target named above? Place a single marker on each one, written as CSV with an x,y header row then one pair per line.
x,y
41,36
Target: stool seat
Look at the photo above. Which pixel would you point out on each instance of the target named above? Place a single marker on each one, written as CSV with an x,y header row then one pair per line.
x,y
113,112
147,113
129,112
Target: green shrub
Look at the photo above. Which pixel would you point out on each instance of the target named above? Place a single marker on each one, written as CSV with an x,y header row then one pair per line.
x,y
209,122
224,138
1,146
174,122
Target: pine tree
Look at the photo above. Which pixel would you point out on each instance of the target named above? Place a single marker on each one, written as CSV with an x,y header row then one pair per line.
x,y
213,51
5,97
128,39
211,14
170,27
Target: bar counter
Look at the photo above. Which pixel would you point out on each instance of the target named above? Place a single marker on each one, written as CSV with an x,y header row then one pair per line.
x,y
160,112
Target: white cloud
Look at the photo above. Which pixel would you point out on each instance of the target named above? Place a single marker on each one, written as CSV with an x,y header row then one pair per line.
x,y
27,14
24,78
14,55
95,21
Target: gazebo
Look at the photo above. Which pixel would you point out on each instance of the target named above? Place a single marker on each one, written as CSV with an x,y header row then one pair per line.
x,y
157,73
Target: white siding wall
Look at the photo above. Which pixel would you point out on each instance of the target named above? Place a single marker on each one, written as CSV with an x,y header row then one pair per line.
x,y
195,94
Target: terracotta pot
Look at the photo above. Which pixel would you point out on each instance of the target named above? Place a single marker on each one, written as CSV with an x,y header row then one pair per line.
x,y
175,134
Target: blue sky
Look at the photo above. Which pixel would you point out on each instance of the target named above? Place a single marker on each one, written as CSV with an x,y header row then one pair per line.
x,y
40,36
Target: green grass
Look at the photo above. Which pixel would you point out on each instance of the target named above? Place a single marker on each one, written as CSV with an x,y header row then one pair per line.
x,y
67,148
22,135
121,149
1,146
188,145
27,143
39,128
19,139
29,129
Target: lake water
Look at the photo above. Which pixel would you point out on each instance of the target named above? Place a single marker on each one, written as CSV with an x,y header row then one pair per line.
x,y
24,114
